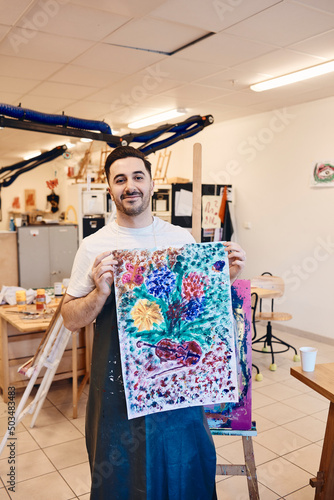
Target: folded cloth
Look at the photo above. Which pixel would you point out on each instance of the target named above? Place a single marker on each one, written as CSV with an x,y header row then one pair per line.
x,y
8,295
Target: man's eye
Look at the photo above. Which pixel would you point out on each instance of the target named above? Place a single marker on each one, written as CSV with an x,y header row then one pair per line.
x,y
119,181
139,177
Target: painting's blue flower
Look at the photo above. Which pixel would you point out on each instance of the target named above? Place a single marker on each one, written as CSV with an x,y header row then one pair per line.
x,y
193,308
161,282
219,265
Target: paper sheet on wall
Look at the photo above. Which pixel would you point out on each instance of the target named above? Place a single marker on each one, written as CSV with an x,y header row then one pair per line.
x,y
183,203
210,212
175,327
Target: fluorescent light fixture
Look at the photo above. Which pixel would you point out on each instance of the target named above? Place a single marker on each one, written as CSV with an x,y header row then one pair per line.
x,y
70,145
297,76
32,154
85,139
161,117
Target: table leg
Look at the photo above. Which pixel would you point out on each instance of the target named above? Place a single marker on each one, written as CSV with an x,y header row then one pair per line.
x,y
325,491
4,366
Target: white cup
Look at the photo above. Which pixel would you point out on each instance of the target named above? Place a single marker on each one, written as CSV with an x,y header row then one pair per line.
x,y
308,355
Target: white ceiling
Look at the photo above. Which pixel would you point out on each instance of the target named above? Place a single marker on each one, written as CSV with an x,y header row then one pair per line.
x,y
108,59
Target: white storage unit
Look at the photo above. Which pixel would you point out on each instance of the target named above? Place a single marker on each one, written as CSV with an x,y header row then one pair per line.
x,y
46,254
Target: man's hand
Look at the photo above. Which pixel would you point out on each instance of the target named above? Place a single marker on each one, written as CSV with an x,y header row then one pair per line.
x,y
81,311
236,259
103,273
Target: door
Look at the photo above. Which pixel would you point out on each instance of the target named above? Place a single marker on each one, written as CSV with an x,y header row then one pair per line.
x,y
33,254
63,241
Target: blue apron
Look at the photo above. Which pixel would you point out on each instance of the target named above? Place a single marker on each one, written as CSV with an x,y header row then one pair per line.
x,y
166,456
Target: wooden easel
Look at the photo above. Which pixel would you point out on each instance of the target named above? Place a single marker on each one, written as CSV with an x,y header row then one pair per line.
x,y
248,468
160,174
48,355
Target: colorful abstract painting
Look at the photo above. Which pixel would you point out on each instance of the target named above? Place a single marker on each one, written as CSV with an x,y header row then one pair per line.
x,y
175,327
323,175
238,416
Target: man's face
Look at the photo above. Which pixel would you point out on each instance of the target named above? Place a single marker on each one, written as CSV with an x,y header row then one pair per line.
x,y
130,186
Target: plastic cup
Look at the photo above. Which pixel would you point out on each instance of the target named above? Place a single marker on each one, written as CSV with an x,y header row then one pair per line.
x,y
308,356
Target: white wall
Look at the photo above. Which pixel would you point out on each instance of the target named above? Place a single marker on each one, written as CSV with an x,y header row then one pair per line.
x,y
268,158
34,179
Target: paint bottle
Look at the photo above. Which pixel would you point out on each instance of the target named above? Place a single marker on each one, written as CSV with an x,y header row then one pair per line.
x,y
21,300
11,224
40,300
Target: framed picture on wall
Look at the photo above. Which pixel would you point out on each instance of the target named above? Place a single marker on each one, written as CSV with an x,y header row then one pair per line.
x,y
29,199
323,174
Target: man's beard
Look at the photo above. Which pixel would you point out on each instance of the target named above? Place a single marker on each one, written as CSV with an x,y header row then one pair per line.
x,y
136,209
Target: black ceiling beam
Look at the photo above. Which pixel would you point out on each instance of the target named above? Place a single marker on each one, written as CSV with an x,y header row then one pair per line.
x,y
56,130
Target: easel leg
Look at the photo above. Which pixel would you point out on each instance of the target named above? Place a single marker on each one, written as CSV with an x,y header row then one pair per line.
x,y
253,488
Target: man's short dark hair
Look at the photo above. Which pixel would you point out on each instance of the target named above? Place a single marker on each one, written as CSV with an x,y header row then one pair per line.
x,y
125,152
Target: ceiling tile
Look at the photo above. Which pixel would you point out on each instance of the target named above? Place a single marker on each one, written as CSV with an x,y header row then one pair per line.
x,y
42,46
19,66
279,63
320,45
77,75
12,98
61,18
324,5
154,34
211,16
226,50
11,15
123,7
122,60
3,31
283,24
232,79
193,91
184,70
87,110
54,105
66,90
17,85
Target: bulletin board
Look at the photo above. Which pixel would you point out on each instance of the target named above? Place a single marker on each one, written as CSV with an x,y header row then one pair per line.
x,y
186,220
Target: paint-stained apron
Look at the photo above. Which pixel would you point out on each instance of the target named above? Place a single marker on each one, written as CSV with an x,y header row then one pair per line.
x,y
166,456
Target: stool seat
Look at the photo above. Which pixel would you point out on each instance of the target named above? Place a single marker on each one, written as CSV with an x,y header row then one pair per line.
x,y
273,316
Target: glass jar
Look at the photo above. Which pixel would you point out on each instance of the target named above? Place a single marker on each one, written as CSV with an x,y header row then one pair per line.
x,y
40,300
21,300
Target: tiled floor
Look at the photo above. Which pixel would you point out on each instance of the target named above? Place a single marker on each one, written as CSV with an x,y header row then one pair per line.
x,y
52,460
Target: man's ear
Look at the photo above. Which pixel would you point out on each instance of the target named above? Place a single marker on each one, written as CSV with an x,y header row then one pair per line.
x,y
152,187
111,196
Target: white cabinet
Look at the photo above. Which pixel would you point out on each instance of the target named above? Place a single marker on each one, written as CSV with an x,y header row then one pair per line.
x,y
46,254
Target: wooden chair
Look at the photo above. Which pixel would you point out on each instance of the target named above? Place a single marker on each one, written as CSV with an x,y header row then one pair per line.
x,y
270,287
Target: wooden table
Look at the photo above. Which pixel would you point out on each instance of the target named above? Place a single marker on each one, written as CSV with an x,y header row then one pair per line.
x,y
322,381
19,340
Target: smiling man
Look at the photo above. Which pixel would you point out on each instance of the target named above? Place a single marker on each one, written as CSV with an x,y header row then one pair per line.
x,y
166,456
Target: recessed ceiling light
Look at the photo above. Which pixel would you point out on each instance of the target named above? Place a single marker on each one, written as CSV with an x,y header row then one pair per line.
x,y
161,117
296,76
85,139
